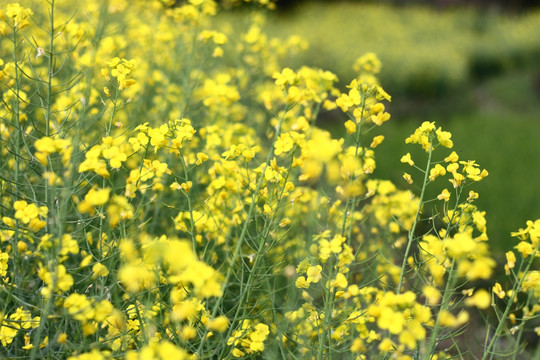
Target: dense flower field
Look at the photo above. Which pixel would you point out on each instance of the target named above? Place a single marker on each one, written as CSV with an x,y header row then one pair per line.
x,y
167,194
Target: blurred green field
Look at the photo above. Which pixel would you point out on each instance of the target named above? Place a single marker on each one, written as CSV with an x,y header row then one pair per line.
x,y
502,134
424,51
473,71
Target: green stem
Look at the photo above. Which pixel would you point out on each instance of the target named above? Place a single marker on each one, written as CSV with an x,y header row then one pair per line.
x,y
502,323
446,300
413,228
240,241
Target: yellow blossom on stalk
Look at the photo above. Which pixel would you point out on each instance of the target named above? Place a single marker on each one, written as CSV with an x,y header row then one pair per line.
x,y
3,263
497,290
422,135
79,307
158,350
444,195
525,248
443,137
510,259
453,157
47,146
462,244
377,140
250,338
436,171
472,196
340,281
379,116
481,299
391,320
121,69
301,282
350,126
532,282
62,280
408,178
219,324
30,214
369,63
201,157
18,15
432,294
314,274
286,77
407,159
95,197
284,144
99,270
119,209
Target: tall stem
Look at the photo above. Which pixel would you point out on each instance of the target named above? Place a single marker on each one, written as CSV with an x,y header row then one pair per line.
x,y
413,228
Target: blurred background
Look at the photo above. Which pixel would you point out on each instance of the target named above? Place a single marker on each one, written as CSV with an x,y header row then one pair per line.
x,y
472,66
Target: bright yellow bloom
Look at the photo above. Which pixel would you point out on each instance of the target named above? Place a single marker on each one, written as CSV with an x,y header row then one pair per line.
x,y
391,320
407,159
408,178
497,290
377,140
340,281
436,171
444,138
510,259
99,270
524,248
220,324
314,274
432,294
453,157
350,126
444,195
481,299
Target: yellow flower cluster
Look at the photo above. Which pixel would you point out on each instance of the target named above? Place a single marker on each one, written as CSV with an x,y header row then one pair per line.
x,y
248,338
186,205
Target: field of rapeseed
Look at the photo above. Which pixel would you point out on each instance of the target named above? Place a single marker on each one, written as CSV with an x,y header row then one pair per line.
x,y
166,193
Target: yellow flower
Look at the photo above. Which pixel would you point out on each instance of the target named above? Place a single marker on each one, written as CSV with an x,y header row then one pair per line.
x,y
99,270
432,294
444,138
391,320
472,196
444,195
314,274
350,126
94,197
461,245
377,140
186,186
510,259
301,283
497,290
3,263
286,77
407,159
340,281
481,299
408,178
201,157
220,324
453,157
524,248
436,171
